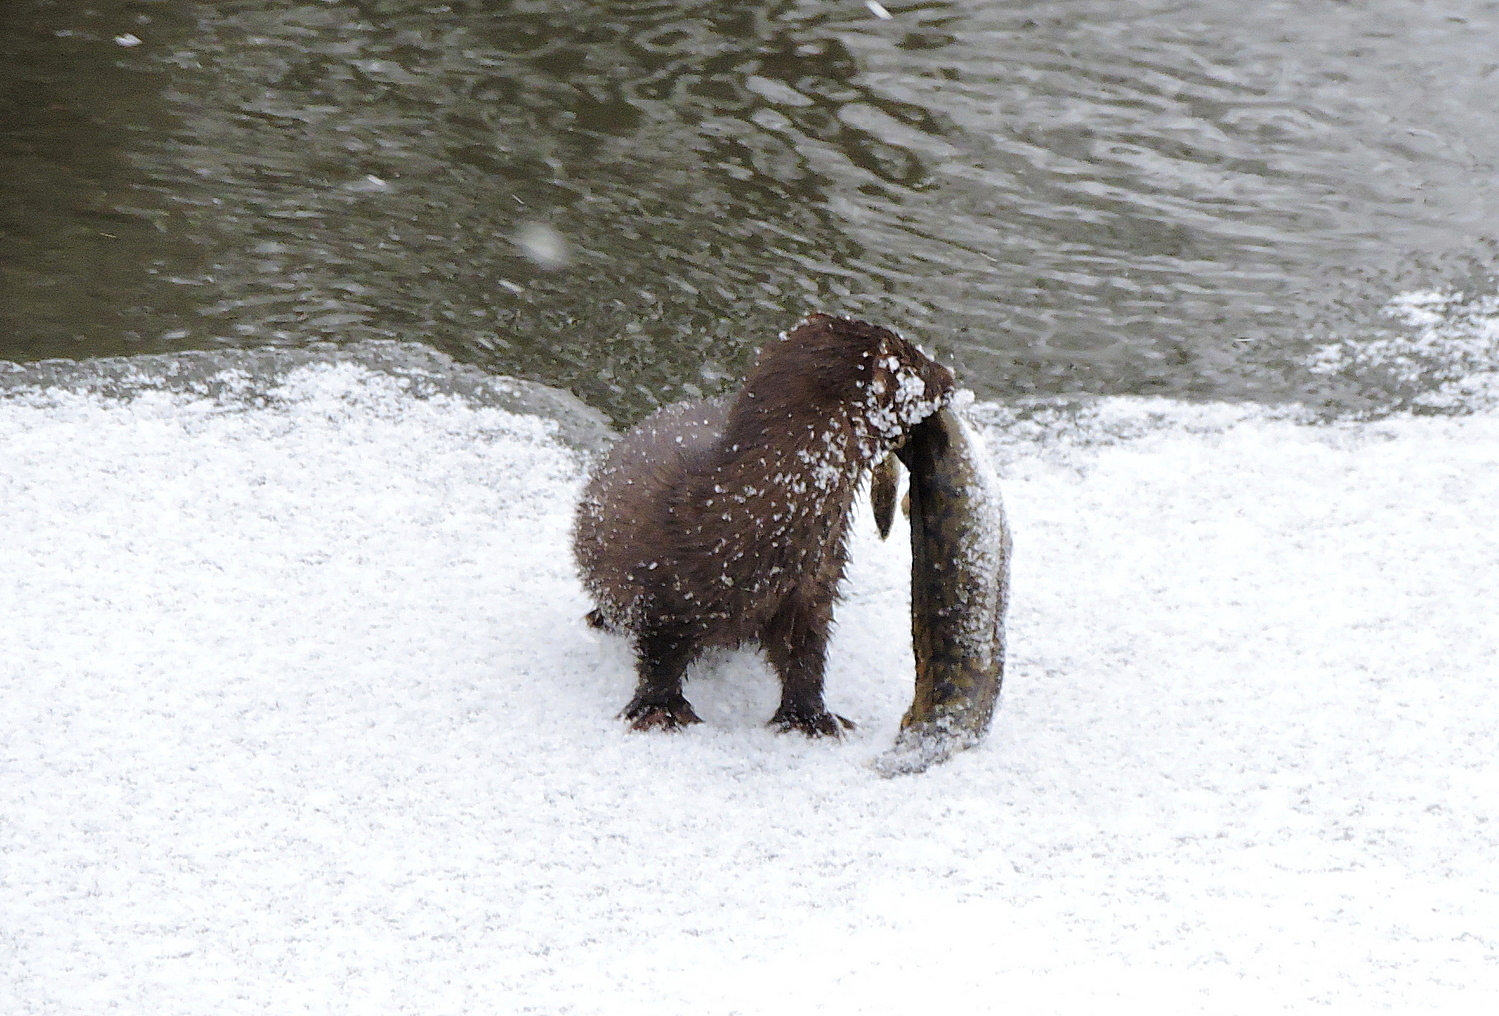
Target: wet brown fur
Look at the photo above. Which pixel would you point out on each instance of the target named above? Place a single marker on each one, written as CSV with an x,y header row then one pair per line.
x,y
724,522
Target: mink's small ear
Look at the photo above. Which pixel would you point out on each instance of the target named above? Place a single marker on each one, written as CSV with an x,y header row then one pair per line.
x,y
889,348
882,384
891,345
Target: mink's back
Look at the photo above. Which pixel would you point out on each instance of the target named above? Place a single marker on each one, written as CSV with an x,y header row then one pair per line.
x,y
623,520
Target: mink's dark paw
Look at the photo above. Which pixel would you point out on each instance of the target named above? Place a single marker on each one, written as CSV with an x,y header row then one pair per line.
x,y
819,724
596,619
659,714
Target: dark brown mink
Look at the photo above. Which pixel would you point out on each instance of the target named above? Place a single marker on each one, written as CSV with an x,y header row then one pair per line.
x,y
724,522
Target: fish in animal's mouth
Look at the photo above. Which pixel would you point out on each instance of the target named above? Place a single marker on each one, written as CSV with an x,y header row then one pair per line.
x,y
960,563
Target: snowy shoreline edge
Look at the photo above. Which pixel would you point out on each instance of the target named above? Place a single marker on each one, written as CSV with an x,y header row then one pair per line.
x,y
223,373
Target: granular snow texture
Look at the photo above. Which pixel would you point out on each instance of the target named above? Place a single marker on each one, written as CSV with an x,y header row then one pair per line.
x,y
300,717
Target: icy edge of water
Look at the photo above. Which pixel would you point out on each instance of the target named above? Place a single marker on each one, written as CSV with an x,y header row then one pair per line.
x,y
1439,354
240,376
249,378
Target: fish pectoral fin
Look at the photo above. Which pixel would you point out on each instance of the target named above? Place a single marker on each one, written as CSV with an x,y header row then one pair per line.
x,y
884,481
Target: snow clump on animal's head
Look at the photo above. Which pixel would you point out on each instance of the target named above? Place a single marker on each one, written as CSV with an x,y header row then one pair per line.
x,y
882,381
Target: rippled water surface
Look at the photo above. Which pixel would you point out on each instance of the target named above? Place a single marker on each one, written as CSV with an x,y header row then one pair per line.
x,y
626,198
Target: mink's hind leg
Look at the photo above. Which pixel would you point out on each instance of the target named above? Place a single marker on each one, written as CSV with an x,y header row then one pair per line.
x,y
595,619
819,724
796,641
662,659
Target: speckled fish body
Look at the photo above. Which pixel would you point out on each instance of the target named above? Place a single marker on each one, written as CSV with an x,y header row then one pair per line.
x,y
960,562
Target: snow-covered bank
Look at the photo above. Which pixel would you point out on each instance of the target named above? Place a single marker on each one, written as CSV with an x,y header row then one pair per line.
x,y
300,717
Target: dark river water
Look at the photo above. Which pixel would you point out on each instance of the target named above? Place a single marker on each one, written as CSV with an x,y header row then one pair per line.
x,y
1100,196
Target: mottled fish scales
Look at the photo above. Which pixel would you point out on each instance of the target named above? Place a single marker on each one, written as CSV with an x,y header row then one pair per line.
x,y
960,560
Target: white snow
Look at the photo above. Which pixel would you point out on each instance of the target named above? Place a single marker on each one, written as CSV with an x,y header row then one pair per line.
x,y
300,717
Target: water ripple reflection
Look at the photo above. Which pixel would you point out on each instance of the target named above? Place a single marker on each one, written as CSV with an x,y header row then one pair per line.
x,y
1076,195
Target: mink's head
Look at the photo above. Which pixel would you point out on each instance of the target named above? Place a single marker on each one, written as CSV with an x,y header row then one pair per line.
x,y
827,362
